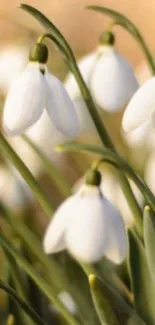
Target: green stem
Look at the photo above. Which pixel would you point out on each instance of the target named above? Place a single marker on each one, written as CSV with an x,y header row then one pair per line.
x,y
40,282
22,303
24,171
52,171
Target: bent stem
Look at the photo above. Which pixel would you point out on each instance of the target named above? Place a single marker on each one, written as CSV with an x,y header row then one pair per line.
x,y
24,171
64,47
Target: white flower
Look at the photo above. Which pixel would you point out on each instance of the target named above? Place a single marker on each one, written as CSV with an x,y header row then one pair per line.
x,y
141,108
108,75
45,136
140,137
113,82
112,191
68,301
89,226
31,93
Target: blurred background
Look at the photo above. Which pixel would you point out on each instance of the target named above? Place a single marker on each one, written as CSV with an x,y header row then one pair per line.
x,y
82,29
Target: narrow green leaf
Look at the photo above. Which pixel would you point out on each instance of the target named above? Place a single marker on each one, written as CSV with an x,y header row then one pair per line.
x,y
142,284
149,239
52,171
57,277
41,283
8,152
112,309
22,305
55,33
130,27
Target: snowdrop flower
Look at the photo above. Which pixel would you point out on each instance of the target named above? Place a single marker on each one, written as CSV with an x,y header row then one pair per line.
x,y
141,108
34,90
140,137
14,191
68,301
113,192
45,136
88,225
109,76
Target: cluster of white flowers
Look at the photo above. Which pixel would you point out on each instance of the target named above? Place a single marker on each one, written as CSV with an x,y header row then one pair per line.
x,y
87,223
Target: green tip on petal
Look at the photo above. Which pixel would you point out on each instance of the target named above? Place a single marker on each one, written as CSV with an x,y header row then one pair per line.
x,y
93,177
107,38
39,53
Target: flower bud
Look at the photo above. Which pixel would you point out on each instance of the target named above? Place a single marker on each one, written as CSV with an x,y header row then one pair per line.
x,y
93,177
39,53
107,38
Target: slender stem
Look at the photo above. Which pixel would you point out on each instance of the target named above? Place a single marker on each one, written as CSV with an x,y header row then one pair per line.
x,y
24,171
22,303
56,36
52,171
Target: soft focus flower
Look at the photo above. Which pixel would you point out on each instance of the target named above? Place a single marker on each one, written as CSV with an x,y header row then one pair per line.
x,y
45,136
89,226
68,301
141,108
12,62
112,191
34,90
141,137
14,191
109,76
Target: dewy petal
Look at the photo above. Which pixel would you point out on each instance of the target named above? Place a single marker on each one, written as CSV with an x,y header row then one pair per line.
x,y
54,239
86,66
113,81
141,106
86,233
60,107
25,102
116,249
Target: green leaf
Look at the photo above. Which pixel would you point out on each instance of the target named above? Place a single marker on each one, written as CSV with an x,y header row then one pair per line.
x,y
112,309
130,27
149,239
55,33
142,284
8,152
40,282
30,312
57,277
51,170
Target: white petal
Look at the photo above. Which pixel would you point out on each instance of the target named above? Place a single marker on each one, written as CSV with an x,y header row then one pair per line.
x,y
25,102
60,107
116,249
86,66
113,81
54,239
141,106
139,137
86,233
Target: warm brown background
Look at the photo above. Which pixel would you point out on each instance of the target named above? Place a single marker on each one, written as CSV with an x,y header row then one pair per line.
x,y
80,26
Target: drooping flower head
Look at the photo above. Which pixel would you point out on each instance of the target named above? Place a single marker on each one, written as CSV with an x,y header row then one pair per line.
x,y
88,225
34,90
108,75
